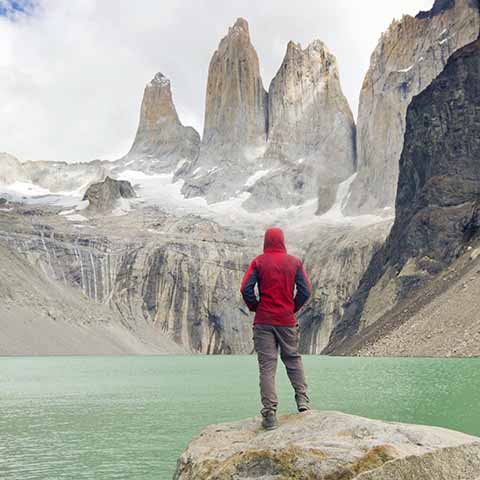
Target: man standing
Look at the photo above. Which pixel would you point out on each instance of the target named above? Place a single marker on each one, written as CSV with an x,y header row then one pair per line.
x,y
275,327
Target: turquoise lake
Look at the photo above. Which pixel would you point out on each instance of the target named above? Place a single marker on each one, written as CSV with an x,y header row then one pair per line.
x,y
130,417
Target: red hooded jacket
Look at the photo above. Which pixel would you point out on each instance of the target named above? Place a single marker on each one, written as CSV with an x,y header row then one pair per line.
x,y
277,274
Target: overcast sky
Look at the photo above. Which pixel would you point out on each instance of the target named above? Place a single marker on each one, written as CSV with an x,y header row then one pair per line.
x,y
72,72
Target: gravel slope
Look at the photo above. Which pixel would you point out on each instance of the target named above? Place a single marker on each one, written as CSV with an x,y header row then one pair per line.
x,y
42,317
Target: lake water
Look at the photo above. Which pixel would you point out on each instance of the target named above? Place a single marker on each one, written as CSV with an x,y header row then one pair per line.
x,y
130,417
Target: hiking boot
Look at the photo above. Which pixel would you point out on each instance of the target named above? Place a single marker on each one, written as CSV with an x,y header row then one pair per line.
x,y
303,403
269,421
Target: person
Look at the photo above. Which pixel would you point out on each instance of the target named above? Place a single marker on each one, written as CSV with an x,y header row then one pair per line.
x,y
275,327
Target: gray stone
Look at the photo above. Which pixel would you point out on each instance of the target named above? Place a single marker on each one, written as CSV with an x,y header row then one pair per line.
x,y
103,196
437,206
311,137
407,58
162,144
329,446
235,127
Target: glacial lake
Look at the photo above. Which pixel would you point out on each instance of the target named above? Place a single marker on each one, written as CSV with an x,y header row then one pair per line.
x,y
130,417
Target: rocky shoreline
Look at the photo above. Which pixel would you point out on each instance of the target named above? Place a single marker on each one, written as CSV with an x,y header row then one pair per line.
x,y
329,446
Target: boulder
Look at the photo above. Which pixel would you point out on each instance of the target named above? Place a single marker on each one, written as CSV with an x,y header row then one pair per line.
x,y
329,446
103,196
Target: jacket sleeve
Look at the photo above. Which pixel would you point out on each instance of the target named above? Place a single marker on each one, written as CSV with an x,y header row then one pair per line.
x,y
304,288
248,287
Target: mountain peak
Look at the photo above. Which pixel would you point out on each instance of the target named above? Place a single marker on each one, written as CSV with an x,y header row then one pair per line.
x,y
241,24
159,80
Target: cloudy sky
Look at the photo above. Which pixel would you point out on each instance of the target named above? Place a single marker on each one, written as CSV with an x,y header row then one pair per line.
x,y
72,72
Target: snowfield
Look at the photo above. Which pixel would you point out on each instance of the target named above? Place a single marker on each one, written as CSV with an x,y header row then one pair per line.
x,y
162,191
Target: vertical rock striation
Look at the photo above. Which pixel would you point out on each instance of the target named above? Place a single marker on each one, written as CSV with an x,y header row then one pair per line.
x,y
161,142
295,143
177,279
236,102
335,263
408,57
438,198
235,129
311,136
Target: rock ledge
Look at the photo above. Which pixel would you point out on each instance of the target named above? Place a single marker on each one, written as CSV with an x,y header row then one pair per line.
x,y
330,446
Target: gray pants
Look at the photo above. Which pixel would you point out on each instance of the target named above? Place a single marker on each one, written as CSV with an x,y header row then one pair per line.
x,y
267,340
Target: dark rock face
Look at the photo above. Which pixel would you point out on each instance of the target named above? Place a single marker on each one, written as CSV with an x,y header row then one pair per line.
x,y
438,199
439,184
438,7
102,196
3,201
408,57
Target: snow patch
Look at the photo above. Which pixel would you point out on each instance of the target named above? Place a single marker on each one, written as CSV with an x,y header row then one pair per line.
x,y
253,153
82,205
122,207
405,70
132,175
67,212
76,217
343,192
213,170
26,189
255,177
180,164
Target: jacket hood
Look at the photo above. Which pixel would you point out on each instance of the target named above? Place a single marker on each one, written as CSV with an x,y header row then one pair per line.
x,y
274,241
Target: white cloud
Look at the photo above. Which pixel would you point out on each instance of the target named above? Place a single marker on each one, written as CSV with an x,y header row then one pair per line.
x,y
72,75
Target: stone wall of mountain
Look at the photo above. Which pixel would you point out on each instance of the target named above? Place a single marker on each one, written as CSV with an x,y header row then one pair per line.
x,y
335,263
235,125
408,57
52,176
277,149
42,316
311,138
178,279
438,198
162,143
184,284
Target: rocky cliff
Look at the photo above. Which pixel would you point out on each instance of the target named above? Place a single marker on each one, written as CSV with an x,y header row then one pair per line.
x,y
294,144
329,445
236,102
162,143
104,196
42,316
52,176
335,262
311,138
163,277
438,199
11,169
235,127
408,57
